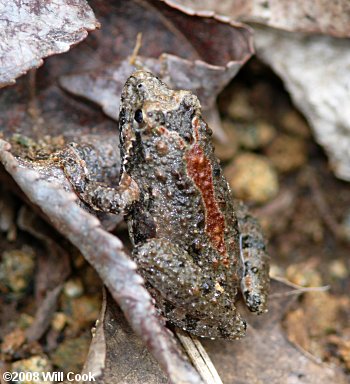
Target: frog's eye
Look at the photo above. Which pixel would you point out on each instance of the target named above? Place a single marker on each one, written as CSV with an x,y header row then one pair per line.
x,y
138,116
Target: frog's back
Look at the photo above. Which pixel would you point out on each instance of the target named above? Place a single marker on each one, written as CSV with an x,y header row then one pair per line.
x,y
185,198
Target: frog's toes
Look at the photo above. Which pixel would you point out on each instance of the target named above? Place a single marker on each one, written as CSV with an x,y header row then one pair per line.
x,y
255,302
235,333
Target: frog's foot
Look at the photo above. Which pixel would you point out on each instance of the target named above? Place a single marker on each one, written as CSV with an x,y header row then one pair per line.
x,y
225,323
255,279
188,298
79,170
255,262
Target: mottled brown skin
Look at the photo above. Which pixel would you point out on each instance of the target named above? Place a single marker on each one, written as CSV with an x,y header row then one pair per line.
x,y
188,244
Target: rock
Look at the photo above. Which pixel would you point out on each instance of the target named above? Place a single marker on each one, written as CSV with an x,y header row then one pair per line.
x,y
293,122
304,274
338,269
59,320
255,135
70,355
307,325
252,177
316,72
35,364
25,320
86,308
225,150
343,347
13,341
276,271
239,107
287,153
16,269
73,288
80,312
346,225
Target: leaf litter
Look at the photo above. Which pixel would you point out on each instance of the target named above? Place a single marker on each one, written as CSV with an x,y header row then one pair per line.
x,y
40,123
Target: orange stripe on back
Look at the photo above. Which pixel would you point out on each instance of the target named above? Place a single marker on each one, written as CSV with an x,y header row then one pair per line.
x,y
200,170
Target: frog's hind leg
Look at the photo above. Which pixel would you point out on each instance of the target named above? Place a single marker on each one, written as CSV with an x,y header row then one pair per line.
x,y
255,261
188,299
225,324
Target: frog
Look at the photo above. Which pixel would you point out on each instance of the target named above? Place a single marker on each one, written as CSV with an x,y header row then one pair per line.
x,y
196,247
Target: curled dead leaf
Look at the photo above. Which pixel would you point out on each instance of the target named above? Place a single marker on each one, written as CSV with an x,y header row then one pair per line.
x,y
332,18
202,55
31,31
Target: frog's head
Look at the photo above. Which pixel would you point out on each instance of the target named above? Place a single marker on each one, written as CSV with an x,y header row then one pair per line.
x,y
148,105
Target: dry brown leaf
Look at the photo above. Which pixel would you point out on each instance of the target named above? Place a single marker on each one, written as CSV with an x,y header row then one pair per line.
x,y
118,353
321,16
53,262
106,254
187,52
265,355
314,68
33,30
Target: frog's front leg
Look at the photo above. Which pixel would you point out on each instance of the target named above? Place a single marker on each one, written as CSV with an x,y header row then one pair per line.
x,y
99,196
255,261
188,298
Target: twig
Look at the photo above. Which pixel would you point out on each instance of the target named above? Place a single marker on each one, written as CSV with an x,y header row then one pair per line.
x,y
33,107
324,209
44,315
283,202
199,357
132,59
298,289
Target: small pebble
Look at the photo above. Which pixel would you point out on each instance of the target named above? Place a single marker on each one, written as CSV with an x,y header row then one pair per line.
x,y
73,288
33,364
25,320
255,135
23,140
91,281
287,153
81,312
294,123
276,271
70,355
343,346
346,225
226,150
338,270
17,269
12,341
304,274
59,320
239,107
310,322
78,260
8,215
252,177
